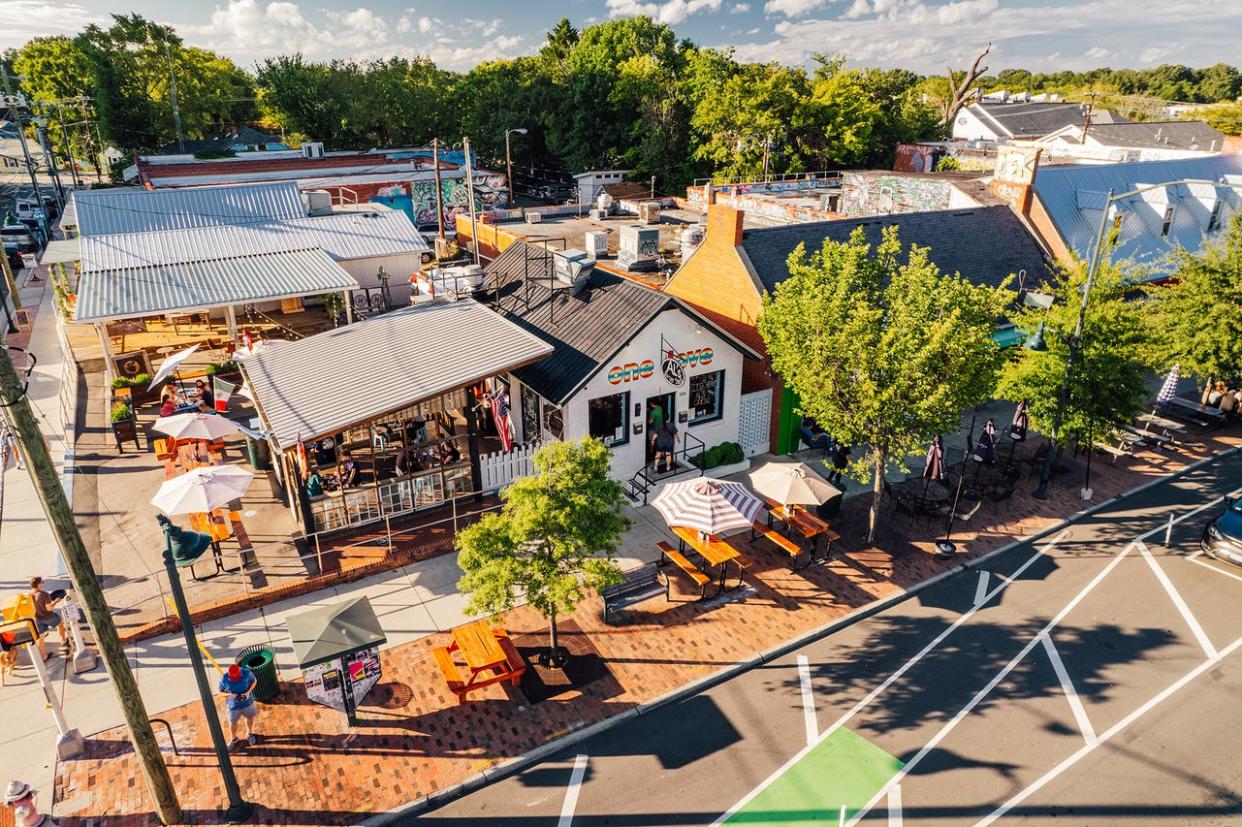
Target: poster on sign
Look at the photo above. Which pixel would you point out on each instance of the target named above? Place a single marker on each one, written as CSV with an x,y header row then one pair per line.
x,y
325,681
364,672
323,685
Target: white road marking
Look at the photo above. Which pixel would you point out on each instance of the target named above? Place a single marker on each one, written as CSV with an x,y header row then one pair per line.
x,y
1176,597
1071,695
981,588
1107,734
1216,501
808,700
571,793
1194,558
889,681
992,684
894,806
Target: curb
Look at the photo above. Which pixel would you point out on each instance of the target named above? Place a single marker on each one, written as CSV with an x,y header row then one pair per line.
x,y
515,765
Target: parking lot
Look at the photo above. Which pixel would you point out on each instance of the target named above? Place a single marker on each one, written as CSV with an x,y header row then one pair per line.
x,y
1083,678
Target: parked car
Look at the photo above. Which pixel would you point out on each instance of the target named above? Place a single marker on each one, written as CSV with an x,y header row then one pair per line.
x,y
1222,537
18,238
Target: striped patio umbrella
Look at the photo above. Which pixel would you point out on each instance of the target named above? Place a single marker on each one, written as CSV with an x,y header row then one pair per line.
x,y
708,505
1169,389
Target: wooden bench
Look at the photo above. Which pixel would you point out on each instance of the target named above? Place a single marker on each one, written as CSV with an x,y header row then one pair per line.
x,y
517,666
1114,451
641,584
780,541
444,660
667,552
165,449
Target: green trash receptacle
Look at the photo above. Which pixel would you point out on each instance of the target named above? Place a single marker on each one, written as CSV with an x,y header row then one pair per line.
x,y
261,661
258,453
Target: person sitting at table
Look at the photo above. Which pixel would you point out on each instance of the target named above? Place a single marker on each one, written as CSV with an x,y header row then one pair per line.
x,y
325,451
1215,394
206,399
349,469
1229,404
814,436
449,453
314,485
168,402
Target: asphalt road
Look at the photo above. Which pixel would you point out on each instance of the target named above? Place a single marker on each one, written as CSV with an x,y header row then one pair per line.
x,y
1090,678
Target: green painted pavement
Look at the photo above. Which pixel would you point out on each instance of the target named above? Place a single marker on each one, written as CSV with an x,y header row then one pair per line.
x,y
843,769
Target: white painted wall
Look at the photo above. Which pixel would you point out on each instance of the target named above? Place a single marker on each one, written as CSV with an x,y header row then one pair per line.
x,y
399,269
968,127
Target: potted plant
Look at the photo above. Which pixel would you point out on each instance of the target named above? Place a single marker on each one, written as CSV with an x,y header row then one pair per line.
x,y
124,427
223,368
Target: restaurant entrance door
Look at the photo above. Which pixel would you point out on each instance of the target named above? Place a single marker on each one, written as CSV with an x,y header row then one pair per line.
x,y
659,409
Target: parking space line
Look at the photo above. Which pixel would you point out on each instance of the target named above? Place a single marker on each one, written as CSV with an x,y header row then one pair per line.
x,y
894,677
808,700
1107,734
1071,694
894,806
978,697
981,588
1197,509
1194,558
1176,597
571,792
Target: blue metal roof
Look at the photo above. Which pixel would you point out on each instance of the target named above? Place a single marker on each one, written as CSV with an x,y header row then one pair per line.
x,y
1074,197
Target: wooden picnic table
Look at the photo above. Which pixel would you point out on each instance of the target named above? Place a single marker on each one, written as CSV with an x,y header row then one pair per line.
x,y
714,551
1205,415
478,646
219,527
188,456
809,525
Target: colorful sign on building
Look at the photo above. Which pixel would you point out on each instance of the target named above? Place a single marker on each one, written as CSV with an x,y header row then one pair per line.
x,y
633,371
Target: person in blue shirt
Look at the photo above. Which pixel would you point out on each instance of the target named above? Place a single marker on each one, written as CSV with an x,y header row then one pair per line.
x,y
239,683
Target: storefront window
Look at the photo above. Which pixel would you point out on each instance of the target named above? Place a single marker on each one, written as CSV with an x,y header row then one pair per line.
x,y
706,393
553,421
608,419
530,415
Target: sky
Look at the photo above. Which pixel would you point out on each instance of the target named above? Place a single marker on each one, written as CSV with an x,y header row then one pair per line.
x,y
922,35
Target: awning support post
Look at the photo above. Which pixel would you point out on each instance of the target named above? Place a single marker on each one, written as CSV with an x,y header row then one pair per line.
x,y
230,316
349,307
106,343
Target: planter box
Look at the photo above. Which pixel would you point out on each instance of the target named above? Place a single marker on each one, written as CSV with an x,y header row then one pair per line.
x,y
124,431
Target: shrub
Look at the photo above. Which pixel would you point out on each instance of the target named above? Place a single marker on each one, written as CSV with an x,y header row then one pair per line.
x,y
138,380
222,367
726,453
121,412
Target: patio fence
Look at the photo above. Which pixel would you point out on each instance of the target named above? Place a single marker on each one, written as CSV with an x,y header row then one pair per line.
x,y
503,467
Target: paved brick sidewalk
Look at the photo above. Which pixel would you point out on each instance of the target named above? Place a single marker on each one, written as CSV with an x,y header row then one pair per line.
x,y
414,739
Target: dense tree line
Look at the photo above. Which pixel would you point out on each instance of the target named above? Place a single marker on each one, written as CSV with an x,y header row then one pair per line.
x,y
625,93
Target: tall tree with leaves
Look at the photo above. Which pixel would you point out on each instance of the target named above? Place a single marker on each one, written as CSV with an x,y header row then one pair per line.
x,y
882,349
557,533
1196,319
1106,387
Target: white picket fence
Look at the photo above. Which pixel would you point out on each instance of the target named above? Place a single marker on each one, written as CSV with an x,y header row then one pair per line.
x,y
501,468
756,416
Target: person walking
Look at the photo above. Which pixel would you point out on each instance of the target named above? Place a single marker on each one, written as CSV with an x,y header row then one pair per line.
x,y
840,461
239,683
45,617
665,438
20,798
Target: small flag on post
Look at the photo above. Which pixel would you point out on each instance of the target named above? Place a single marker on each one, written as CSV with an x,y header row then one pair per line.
x,y
222,390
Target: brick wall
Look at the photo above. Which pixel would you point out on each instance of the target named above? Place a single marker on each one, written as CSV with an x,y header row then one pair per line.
x,y
715,282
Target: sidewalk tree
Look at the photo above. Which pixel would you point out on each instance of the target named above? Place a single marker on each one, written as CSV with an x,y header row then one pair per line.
x,y
1107,389
557,533
1195,319
882,349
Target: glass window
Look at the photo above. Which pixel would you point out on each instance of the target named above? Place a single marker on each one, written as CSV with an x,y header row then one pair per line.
x,y
530,415
1168,221
608,419
553,421
706,394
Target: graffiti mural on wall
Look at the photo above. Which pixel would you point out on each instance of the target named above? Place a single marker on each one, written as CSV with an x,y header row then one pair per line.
x,y
419,200
883,194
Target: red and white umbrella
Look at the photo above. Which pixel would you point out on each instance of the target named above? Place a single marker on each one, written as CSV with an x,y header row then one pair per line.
x,y
708,505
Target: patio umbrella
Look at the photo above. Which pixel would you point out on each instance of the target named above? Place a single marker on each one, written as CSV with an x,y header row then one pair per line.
x,y
171,364
708,505
933,466
196,426
1017,429
1169,389
791,483
202,489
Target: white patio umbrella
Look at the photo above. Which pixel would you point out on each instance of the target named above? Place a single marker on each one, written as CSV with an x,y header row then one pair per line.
x,y
196,425
791,483
708,505
202,489
171,364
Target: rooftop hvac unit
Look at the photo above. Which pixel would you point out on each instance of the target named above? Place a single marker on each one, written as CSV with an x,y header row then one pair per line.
x,y
638,242
533,217
318,202
312,149
597,244
572,268
649,212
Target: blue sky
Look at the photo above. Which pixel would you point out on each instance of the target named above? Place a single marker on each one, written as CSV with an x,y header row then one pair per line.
x,y
918,34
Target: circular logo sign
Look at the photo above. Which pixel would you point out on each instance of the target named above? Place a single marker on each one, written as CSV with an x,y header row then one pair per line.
x,y
674,371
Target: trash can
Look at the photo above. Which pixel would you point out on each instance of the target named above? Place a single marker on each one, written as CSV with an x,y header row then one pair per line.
x,y
259,454
261,661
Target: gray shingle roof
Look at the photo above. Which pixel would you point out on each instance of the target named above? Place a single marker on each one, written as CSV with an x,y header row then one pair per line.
x,y
985,244
1034,120
326,382
136,210
1160,134
147,291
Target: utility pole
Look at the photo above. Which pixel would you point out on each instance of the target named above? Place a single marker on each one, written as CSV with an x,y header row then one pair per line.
x,y
14,102
474,226
51,161
1086,119
172,90
90,596
435,161
90,142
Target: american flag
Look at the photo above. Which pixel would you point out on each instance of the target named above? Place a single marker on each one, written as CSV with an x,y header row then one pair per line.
x,y
500,413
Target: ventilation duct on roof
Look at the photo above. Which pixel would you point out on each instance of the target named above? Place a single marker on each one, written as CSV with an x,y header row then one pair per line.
x,y
571,268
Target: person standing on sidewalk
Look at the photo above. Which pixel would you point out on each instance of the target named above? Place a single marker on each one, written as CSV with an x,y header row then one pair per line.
x,y
239,683
20,798
45,617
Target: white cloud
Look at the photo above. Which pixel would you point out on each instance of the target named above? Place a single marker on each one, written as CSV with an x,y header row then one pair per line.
x,y
924,35
671,12
24,19
425,24
754,30
739,8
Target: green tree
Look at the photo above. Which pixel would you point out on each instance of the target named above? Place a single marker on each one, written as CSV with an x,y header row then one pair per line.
x,y
1195,319
56,69
757,106
504,94
298,96
1106,387
882,349
558,532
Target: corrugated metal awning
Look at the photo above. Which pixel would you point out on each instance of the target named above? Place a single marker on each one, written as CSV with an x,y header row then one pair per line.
x,y
333,380
105,295
62,251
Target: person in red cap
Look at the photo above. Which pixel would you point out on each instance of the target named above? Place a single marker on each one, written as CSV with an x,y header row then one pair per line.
x,y
239,683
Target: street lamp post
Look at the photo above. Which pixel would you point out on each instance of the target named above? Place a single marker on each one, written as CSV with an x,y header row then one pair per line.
x,y
1075,341
509,161
181,549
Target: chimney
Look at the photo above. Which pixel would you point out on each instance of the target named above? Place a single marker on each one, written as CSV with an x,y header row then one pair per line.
x,y
724,225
